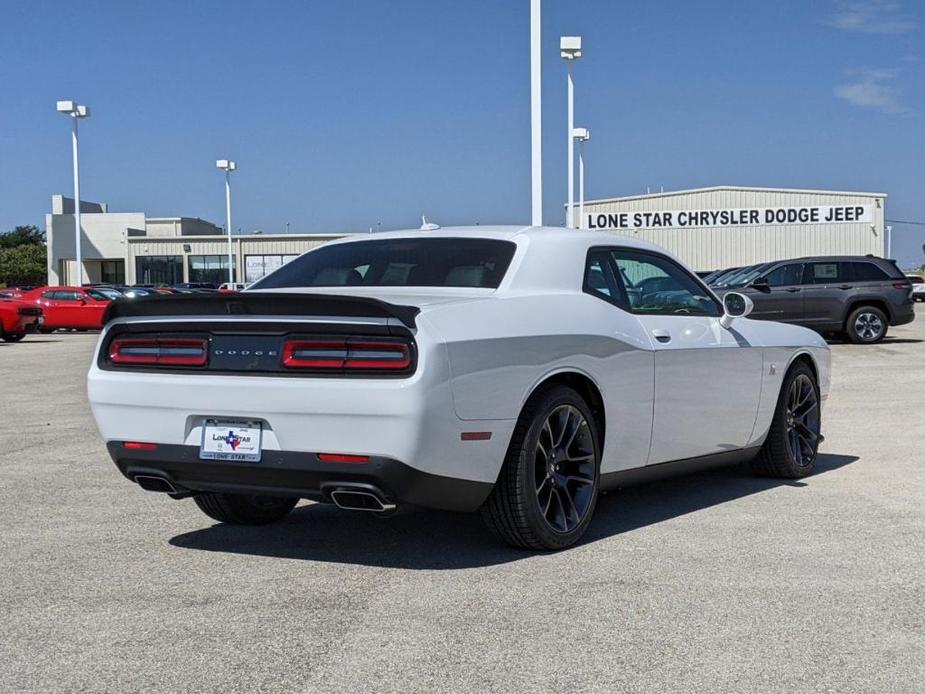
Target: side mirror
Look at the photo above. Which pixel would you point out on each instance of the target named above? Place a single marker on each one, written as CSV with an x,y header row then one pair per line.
x,y
735,305
761,284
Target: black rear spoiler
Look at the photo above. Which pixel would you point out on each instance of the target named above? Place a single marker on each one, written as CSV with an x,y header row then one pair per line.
x,y
259,304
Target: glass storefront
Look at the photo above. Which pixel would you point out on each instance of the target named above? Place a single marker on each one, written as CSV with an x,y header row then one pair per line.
x,y
159,269
209,269
112,271
256,266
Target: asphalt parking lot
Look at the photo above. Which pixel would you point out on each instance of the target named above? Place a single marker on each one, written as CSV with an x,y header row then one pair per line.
x,y
718,582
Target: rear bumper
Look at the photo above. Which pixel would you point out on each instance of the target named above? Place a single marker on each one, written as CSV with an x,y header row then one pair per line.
x,y
299,474
903,314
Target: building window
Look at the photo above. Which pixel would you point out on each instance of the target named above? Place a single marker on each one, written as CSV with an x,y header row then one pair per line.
x,y
112,271
159,269
256,266
209,269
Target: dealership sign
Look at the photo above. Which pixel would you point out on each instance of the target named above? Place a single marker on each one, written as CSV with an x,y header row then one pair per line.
x,y
739,217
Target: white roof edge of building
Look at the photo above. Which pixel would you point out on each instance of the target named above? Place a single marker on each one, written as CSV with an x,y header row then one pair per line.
x,y
756,189
257,237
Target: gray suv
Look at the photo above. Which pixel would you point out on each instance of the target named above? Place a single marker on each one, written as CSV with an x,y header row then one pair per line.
x,y
857,295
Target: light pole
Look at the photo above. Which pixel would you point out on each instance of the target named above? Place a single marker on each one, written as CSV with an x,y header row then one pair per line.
x,y
228,166
570,51
582,135
76,112
536,115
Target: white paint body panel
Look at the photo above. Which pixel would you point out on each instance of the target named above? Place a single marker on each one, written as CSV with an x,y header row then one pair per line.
x,y
481,354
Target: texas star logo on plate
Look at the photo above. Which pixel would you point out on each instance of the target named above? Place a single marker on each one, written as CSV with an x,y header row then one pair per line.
x,y
231,440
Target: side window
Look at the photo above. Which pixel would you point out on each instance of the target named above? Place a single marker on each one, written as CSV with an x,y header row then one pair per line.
x,y
867,272
786,275
824,273
655,285
50,295
599,279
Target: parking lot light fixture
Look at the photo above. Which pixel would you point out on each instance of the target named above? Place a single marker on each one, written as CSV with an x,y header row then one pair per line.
x,y
582,135
227,165
570,51
76,112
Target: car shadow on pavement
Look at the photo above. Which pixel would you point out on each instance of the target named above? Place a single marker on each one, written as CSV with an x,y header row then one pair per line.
x,y
433,540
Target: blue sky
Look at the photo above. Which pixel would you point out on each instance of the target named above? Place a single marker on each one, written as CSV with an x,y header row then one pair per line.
x,y
342,114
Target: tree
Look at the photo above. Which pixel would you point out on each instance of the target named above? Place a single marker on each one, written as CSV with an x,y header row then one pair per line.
x,y
23,235
23,256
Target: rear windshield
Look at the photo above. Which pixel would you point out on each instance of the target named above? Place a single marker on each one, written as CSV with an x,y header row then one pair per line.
x,y
398,263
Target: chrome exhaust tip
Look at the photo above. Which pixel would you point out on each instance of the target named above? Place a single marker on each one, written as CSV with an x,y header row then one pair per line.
x,y
359,500
151,483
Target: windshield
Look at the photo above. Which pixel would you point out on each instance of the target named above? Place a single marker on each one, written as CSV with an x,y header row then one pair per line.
x,y
104,293
405,262
743,276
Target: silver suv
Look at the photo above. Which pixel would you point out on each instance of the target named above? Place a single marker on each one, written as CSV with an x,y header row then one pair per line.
x,y
857,295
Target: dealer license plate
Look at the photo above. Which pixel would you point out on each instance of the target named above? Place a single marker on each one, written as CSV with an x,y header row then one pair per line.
x,y
224,439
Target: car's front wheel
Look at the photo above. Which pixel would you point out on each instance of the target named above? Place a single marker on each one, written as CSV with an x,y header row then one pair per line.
x,y
792,444
866,325
13,337
241,509
547,490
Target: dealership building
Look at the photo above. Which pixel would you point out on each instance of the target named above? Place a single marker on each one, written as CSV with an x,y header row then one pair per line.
x,y
731,226
708,228
132,248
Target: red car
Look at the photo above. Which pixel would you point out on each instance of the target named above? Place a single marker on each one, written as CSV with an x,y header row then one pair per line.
x,y
16,317
78,308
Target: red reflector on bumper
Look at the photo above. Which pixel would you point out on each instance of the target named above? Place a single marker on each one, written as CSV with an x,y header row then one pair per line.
x,y
342,458
139,446
475,435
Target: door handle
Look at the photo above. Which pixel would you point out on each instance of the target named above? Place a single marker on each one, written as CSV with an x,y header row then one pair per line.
x,y
661,335
845,286
793,289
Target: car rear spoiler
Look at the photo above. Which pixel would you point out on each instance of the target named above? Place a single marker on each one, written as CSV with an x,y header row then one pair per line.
x,y
259,304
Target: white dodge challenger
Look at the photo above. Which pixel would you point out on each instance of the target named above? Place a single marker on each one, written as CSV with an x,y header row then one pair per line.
x,y
515,371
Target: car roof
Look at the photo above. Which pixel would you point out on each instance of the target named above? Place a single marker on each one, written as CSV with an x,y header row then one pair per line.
x,y
502,232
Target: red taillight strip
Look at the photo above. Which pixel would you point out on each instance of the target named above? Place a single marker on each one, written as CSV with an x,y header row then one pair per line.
x,y
140,446
346,353
314,354
378,355
159,351
342,458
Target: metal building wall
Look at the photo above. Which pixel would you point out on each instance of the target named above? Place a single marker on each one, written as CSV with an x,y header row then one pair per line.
x,y
709,248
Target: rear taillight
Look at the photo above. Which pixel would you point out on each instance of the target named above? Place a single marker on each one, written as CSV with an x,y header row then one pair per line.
x,y
346,354
902,285
159,351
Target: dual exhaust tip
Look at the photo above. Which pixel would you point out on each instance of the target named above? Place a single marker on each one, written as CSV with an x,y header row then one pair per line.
x,y
349,498
354,499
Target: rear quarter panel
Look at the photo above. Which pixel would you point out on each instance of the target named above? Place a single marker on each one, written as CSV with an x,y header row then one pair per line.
x,y
500,349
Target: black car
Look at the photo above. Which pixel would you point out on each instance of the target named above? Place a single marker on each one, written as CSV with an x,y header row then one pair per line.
x,y
857,295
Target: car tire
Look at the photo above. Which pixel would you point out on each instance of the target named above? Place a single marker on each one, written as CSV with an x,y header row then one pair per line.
x,y
241,509
13,337
866,325
792,444
547,490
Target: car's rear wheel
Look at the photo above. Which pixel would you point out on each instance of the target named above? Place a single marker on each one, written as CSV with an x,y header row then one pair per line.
x,y
866,325
547,490
241,509
13,337
792,444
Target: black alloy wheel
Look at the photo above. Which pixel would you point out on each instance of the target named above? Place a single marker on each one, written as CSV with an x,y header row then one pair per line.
x,y
802,418
564,468
547,488
791,446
